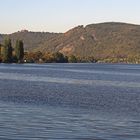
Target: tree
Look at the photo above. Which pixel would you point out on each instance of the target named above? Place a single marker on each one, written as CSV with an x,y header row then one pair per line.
x,y
48,57
72,59
0,49
19,50
7,51
0,53
59,57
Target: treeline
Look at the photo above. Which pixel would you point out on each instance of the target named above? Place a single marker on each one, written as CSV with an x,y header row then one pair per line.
x,y
57,57
10,54
14,53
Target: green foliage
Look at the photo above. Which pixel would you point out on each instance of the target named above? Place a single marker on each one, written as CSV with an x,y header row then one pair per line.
x,y
59,57
33,57
72,59
19,50
10,55
0,49
39,57
48,57
0,53
7,51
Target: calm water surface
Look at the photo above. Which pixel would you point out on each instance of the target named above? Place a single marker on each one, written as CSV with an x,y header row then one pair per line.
x,y
70,102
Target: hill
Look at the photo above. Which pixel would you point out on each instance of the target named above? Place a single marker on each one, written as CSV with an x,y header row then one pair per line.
x,y
103,41
31,40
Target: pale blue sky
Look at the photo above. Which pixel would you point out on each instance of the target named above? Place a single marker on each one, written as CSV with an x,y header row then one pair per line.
x,y
61,15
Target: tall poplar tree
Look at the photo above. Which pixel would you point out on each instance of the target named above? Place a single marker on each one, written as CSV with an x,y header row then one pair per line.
x,y
7,51
19,50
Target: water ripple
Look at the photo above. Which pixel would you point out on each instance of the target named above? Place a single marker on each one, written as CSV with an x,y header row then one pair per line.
x,y
34,78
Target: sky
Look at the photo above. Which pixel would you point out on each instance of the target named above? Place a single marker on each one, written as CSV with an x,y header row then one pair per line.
x,y
62,15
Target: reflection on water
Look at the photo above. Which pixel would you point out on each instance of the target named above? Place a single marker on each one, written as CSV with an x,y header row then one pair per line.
x,y
70,101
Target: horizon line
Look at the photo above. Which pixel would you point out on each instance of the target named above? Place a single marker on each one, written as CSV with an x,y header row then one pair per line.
x,y
33,31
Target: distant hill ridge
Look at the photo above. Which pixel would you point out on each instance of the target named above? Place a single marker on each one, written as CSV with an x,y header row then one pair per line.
x,y
103,40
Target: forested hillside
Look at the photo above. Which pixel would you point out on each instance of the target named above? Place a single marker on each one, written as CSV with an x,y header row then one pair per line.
x,y
101,41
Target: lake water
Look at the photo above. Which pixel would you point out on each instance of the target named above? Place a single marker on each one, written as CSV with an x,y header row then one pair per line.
x,y
69,102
